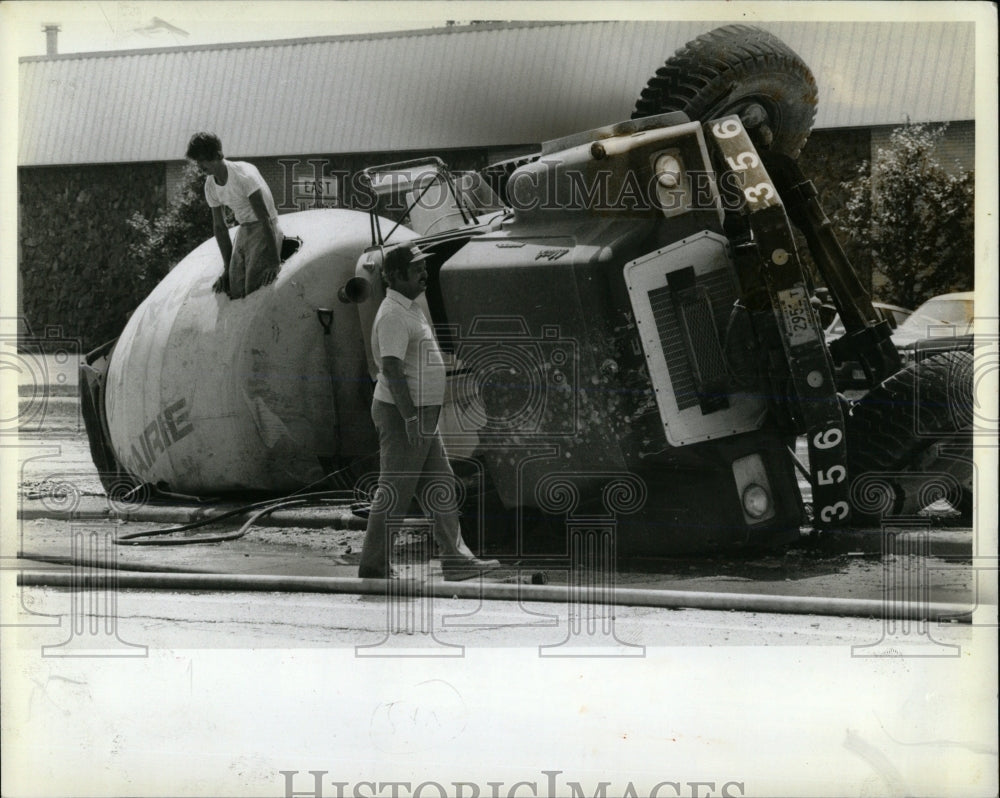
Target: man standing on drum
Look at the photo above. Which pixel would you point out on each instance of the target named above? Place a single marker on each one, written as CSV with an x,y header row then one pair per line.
x,y
409,392
252,260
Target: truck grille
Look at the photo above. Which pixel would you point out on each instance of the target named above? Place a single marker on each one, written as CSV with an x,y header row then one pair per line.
x,y
700,322
683,297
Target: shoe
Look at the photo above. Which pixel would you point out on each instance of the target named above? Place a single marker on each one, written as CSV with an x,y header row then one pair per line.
x,y
374,573
466,568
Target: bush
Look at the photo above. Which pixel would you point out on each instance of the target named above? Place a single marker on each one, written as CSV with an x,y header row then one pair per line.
x,y
160,244
914,217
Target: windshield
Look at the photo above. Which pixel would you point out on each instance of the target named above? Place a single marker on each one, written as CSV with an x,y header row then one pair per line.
x,y
895,317
423,195
936,312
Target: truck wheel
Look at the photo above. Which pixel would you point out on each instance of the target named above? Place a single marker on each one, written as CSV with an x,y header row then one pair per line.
x,y
909,440
738,69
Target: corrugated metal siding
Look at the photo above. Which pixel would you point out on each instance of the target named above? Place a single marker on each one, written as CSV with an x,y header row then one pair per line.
x,y
885,73
485,86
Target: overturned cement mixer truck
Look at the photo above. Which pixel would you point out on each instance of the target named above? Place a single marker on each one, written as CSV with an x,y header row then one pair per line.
x,y
630,331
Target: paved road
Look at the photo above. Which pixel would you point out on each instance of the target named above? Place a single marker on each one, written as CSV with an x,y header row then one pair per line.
x,y
169,620
200,693
54,456
223,692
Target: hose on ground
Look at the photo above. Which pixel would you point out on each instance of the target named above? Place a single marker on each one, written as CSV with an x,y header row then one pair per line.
x,y
258,510
478,589
262,508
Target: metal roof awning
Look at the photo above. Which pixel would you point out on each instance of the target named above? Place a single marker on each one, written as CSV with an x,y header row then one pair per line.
x,y
480,86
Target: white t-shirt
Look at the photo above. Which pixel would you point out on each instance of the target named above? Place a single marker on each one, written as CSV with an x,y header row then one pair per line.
x,y
243,180
401,330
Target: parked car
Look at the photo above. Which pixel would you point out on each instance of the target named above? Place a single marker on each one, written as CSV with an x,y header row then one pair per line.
x,y
893,314
945,315
941,323
849,375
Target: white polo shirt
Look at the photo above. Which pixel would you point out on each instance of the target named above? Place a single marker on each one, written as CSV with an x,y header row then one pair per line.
x,y
401,330
243,180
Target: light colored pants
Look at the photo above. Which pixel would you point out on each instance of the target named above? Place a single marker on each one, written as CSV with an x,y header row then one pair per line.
x,y
404,471
251,260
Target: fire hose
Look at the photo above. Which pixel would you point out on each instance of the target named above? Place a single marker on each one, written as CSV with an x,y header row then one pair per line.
x,y
257,509
481,590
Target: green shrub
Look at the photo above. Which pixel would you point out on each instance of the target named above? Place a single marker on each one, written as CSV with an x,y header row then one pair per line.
x,y
914,217
161,243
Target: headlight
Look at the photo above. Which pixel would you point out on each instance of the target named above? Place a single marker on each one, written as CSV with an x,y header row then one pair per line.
x,y
673,195
668,171
756,502
754,488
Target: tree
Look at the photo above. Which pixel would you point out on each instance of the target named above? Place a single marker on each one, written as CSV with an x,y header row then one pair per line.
x,y
161,243
914,217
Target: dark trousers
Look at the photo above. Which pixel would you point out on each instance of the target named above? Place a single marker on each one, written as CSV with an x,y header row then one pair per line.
x,y
404,471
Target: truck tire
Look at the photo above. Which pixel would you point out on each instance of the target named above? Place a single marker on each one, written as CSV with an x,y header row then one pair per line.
x,y
738,69
909,440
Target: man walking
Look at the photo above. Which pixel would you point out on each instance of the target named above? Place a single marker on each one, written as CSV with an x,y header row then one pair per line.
x,y
252,262
409,392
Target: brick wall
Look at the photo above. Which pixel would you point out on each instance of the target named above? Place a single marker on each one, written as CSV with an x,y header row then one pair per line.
x,y
73,265
73,240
